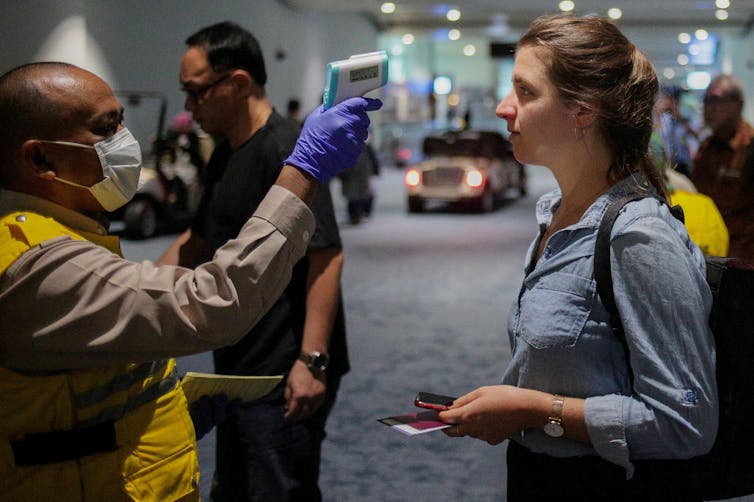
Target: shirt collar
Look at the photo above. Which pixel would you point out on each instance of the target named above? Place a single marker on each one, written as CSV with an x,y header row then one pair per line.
x,y
548,202
11,201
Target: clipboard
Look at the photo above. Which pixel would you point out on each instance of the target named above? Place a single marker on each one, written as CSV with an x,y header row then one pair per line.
x,y
243,387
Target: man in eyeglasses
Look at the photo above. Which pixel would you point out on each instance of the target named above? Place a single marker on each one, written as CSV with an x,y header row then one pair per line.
x,y
271,451
724,164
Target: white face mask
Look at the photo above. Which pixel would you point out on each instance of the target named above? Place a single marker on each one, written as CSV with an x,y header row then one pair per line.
x,y
120,158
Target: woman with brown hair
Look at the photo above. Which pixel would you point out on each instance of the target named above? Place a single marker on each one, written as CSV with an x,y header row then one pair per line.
x,y
580,425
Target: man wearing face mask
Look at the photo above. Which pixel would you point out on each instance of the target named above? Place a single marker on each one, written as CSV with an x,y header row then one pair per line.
x,y
92,409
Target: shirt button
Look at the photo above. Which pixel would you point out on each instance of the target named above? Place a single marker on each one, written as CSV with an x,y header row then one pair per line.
x,y
306,235
690,397
21,218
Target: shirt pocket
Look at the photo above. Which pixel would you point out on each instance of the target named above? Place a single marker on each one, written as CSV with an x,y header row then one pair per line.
x,y
554,310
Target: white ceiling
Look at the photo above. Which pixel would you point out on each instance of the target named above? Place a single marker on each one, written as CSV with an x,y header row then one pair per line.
x,y
652,24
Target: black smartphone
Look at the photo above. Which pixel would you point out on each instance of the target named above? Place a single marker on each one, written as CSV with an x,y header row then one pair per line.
x,y
433,401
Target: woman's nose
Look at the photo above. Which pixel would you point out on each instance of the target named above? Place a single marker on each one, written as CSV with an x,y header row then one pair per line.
x,y
505,109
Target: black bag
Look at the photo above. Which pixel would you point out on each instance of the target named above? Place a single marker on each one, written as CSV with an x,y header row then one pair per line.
x,y
728,469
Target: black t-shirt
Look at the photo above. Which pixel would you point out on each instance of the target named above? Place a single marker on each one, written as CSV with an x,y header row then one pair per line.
x,y
237,181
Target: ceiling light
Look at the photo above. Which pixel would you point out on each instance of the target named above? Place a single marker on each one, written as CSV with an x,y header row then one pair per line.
x,y
408,39
722,4
684,38
453,15
721,14
454,34
614,13
469,50
442,85
698,80
701,34
668,73
387,8
694,50
682,59
566,5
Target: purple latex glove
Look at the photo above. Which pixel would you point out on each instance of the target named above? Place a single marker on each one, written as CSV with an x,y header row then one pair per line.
x,y
332,139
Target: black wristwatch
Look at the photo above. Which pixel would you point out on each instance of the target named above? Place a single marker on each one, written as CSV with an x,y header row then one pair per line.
x,y
315,360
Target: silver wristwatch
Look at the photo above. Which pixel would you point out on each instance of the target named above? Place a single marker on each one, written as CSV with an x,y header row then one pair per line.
x,y
554,425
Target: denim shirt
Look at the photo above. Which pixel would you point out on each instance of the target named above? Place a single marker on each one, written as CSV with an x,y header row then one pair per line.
x,y
562,343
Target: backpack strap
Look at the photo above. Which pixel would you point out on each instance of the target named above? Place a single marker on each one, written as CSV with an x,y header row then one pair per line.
x,y
602,271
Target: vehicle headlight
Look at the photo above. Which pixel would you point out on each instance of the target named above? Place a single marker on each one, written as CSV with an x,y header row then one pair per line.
x,y
413,177
474,178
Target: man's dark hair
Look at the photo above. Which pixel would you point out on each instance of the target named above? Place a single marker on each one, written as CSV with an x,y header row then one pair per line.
x,y
228,46
27,111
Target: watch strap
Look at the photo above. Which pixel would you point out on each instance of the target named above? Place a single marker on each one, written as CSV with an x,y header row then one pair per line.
x,y
315,360
556,414
554,425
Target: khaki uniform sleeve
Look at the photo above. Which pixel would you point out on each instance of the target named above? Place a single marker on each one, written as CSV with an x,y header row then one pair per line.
x,y
69,304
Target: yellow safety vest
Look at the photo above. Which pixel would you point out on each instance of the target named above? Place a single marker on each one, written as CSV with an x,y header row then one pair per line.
x,y
114,433
703,221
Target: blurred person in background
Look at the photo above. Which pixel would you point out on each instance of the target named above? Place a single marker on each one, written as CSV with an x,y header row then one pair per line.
x,y
702,218
724,163
357,188
294,110
678,137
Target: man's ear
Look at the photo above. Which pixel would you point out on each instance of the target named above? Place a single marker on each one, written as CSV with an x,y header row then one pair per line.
x,y
242,81
35,159
246,84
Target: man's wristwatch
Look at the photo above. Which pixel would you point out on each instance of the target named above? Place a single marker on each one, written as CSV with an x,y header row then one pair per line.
x,y
315,360
554,425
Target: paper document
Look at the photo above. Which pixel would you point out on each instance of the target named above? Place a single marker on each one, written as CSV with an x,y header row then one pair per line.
x,y
246,388
415,423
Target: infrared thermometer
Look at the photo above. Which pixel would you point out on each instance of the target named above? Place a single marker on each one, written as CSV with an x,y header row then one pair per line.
x,y
354,76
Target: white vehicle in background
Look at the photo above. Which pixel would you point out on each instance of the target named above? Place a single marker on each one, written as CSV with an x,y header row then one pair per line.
x,y
471,168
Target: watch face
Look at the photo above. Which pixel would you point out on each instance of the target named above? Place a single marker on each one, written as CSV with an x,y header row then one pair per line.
x,y
316,360
553,429
320,361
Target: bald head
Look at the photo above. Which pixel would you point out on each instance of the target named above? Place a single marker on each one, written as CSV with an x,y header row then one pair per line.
x,y
40,100
723,105
727,86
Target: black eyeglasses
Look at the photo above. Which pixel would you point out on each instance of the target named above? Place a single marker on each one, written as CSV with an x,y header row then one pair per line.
x,y
198,93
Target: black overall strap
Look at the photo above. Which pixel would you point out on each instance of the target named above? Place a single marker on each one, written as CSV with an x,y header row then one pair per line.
x,y
60,446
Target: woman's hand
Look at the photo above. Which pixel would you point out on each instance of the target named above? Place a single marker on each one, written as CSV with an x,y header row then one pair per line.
x,y
495,413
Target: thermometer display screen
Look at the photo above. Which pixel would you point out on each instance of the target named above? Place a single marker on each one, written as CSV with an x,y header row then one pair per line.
x,y
366,73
